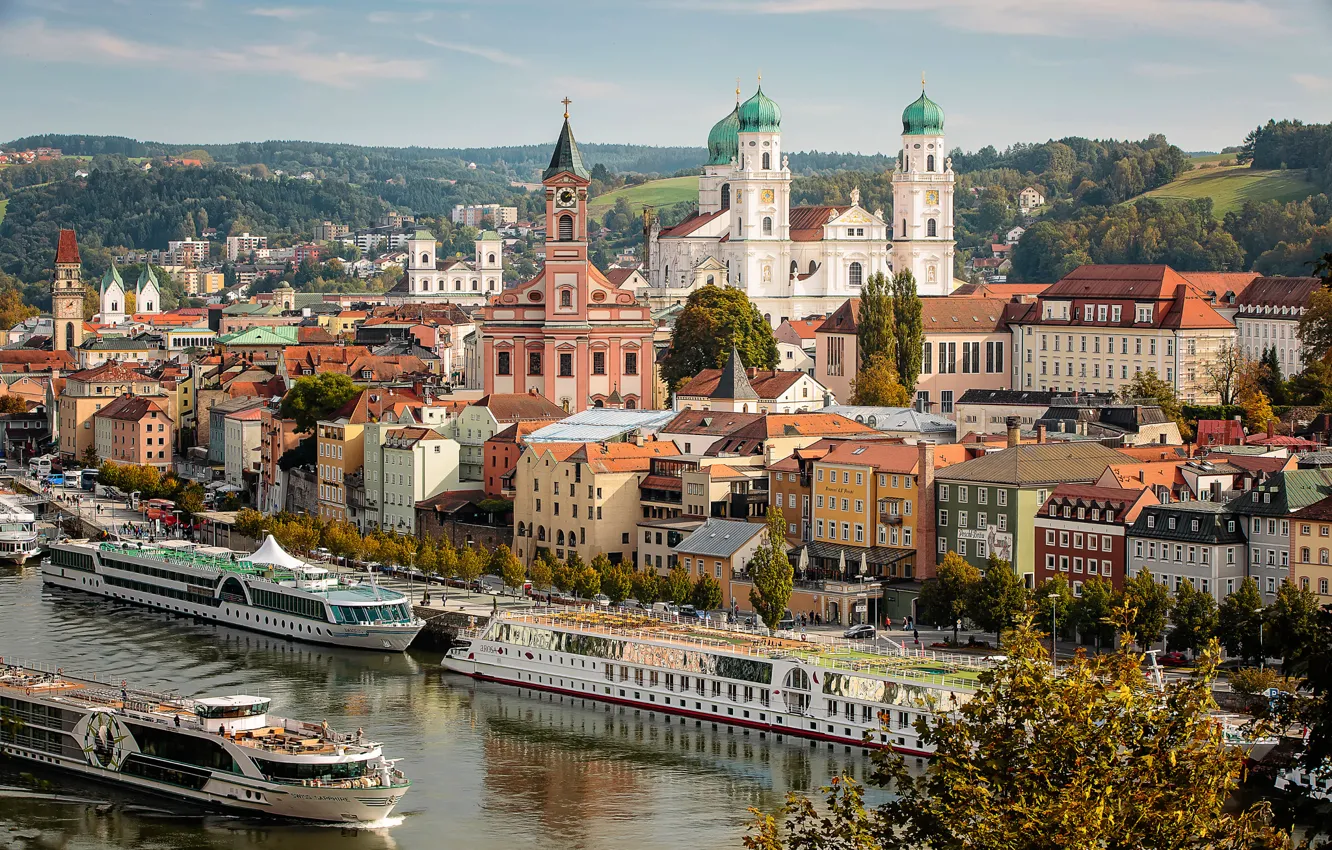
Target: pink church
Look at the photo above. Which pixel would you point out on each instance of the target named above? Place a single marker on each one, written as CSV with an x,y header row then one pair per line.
x,y
568,333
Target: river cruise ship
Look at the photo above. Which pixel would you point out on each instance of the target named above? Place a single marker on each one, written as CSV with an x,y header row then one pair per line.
x,y
830,692
268,591
836,692
18,531
221,752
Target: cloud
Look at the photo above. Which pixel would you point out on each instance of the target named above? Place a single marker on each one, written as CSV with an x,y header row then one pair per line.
x,y
1055,18
37,42
1312,83
396,18
282,13
499,57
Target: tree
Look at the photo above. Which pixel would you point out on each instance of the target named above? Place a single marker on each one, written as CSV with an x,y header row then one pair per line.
x,y
12,308
191,500
944,598
771,572
10,403
647,586
1194,618
313,397
678,585
876,385
617,582
1148,385
563,578
586,582
1056,586
997,598
1315,328
511,570
90,458
1239,619
1148,604
1257,408
1091,611
1270,380
470,566
707,594
1223,373
909,329
1092,755
714,321
542,571
875,326
1292,626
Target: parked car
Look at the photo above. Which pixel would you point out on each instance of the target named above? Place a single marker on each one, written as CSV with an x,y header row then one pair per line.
x,y
601,599
688,612
665,608
864,631
787,622
1173,659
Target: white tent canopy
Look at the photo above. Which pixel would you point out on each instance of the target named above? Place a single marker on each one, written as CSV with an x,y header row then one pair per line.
x,y
273,554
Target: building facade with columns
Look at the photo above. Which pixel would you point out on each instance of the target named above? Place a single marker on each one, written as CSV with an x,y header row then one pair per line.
x,y
569,333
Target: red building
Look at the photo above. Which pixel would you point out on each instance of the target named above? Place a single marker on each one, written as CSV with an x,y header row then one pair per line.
x,y
499,455
569,333
1080,532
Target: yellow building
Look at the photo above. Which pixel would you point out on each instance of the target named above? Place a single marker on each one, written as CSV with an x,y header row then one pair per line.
x,y
340,445
1311,549
88,391
581,497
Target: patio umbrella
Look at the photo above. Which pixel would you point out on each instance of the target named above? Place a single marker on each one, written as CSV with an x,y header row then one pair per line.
x,y
863,568
841,562
804,560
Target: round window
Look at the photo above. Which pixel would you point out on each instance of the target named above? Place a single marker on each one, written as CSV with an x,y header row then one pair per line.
x,y
598,296
534,296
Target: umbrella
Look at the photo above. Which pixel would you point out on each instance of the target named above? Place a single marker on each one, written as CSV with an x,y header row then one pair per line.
x,y
841,562
804,560
863,568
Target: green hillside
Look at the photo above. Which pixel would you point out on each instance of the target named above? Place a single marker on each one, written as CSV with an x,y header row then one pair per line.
x,y
1223,158
1229,187
657,193
3,203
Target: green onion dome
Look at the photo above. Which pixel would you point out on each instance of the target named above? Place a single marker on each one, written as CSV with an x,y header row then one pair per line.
x,y
760,114
724,140
923,118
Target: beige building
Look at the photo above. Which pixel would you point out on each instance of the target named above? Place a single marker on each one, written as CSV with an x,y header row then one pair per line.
x,y
90,390
581,497
134,431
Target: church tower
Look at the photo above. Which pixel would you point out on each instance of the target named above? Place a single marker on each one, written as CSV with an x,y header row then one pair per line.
x,y
147,293
112,297
923,200
714,188
421,262
67,294
761,185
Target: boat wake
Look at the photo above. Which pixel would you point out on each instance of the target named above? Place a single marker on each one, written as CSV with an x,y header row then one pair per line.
x,y
383,823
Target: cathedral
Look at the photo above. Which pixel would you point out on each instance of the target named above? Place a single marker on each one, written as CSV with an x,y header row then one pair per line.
x,y
800,261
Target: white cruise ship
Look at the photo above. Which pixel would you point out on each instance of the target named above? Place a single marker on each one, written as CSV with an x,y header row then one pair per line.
x,y
829,692
222,752
18,531
269,591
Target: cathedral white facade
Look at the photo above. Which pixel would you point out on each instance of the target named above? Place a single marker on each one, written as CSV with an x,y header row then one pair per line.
x,y
431,279
799,261
147,296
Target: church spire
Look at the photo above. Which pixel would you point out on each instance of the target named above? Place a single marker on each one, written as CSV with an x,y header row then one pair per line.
x,y
734,383
566,156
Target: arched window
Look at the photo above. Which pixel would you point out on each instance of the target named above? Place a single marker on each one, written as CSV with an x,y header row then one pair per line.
x,y
476,284
490,284
854,274
541,533
457,285
813,267
630,404
767,161
69,335
726,196
1322,586
566,228
566,298
522,529
795,269
711,280
767,225
441,284
767,317
490,258
929,162
425,259
903,234
666,277
598,403
559,537
931,228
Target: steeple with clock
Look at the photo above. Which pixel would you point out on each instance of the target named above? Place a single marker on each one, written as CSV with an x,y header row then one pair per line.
x,y
922,218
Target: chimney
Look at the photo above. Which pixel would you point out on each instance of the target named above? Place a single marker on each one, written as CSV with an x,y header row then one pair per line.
x,y
1271,428
1014,431
1040,433
638,440
1142,476
925,515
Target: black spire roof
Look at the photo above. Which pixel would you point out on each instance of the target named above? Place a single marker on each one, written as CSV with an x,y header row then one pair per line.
x,y
734,383
566,156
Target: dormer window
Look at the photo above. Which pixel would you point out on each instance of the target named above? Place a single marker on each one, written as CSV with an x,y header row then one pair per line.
x,y
366,374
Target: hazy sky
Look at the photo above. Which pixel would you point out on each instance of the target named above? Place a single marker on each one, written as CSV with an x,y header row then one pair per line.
x,y
490,72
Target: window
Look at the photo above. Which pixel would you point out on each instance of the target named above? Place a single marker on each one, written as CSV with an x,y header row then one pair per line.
x,y
767,219
946,400
931,228
502,366
598,363
566,298
566,365
854,275
534,362
566,228
631,363
926,364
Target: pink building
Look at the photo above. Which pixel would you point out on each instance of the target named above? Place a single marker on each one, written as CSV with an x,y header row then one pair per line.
x,y
967,345
568,334
134,431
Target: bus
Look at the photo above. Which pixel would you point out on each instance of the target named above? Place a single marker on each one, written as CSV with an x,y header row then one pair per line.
x,y
88,479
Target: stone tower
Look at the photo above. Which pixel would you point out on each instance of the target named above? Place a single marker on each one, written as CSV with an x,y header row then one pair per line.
x,y
923,200
67,294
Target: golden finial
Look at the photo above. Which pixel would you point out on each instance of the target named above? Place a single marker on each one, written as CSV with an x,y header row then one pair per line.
x,y
737,89
922,81
566,103
760,76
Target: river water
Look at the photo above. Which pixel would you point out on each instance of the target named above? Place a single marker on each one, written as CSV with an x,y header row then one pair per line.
x,y
492,766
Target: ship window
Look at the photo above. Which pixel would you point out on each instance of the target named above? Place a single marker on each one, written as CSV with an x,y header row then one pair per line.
x,y
175,746
283,770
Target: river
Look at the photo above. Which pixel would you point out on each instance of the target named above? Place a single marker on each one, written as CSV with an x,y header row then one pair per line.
x,y
492,766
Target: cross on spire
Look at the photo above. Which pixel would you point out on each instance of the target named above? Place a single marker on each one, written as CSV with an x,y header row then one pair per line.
x,y
922,81
566,103
737,89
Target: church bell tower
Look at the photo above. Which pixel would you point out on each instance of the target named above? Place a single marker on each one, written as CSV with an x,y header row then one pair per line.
x,y
923,200
67,294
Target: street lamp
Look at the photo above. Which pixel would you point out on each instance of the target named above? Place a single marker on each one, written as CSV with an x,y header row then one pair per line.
x,y
1262,662
1054,628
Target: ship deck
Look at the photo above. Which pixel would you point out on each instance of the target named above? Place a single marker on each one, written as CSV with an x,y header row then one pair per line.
x,y
292,737
917,666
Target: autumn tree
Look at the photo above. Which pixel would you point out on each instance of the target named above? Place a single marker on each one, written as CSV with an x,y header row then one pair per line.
x,y
771,573
1149,386
511,570
678,585
313,397
10,403
909,329
470,566
586,582
542,571
1224,372
997,598
617,582
706,594
90,458
944,598
1062,602
1239,621
1091,755
876,385
714,321
1193,618
875,326
1091,611
647,586
14,311
1292,626
1148,605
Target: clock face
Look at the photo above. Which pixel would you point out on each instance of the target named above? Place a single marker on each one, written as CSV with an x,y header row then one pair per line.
x,y
932,197
566,197
767,196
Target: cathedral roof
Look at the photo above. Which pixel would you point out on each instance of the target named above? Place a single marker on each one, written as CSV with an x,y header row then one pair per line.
x,y
112,276
760,114
734,383
922,118
566,156
146,276
807,222
724,140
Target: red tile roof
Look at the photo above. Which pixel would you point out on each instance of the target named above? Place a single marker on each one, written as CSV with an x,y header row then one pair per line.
x,y
963,315
1279,292
1177,302
807,222
881,456
111,370
689,225
131,408
804,328
1219,432
768,385
843,319
67,247
617,277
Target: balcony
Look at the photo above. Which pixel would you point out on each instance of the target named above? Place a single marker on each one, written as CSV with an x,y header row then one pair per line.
x,y
890,511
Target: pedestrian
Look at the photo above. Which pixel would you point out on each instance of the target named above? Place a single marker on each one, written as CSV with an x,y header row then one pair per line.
x,y
915,635
888,624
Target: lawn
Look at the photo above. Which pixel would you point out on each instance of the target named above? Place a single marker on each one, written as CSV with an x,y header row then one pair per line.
x,y
657,193
1229,187
1226,158
3,203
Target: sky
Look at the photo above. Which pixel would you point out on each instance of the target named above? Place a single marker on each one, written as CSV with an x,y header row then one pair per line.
x,y
464,73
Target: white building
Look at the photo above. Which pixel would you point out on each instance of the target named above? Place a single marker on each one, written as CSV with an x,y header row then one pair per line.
x,y
241,246
1014,236
491,414
147,293
418,463
734,388
431,278
194,250
797,261
240,434
1030,199
112,298
1268,316
474,214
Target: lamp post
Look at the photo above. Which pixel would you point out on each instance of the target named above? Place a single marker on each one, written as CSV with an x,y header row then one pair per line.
x,y
1054,629
1262,662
